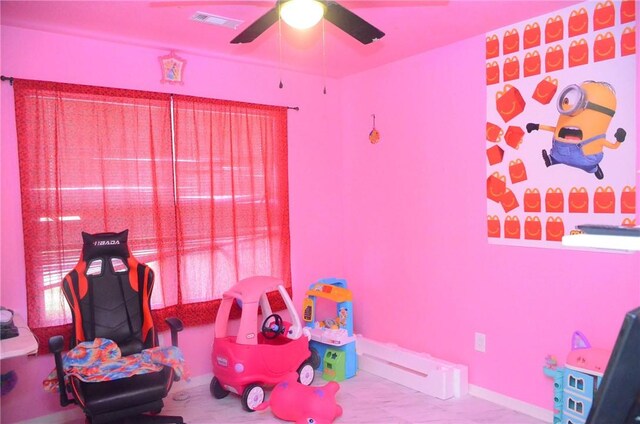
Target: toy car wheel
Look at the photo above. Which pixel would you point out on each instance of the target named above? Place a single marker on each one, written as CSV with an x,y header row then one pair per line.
x,y
306,373
315,358
252,396
216,389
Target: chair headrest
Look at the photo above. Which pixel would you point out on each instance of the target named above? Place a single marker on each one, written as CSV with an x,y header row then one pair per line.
x,y
105,244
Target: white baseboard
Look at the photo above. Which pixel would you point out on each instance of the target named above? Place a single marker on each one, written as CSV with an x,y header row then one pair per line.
x,y
511,403
419,371
411,369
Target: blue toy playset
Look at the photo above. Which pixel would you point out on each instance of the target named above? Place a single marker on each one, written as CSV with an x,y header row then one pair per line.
x,y
575,385
332,338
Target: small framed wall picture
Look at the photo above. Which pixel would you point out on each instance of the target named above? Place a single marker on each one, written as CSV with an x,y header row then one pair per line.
x,y
172,68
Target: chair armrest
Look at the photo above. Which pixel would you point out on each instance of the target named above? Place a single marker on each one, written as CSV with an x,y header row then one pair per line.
x,y
176,326
56,344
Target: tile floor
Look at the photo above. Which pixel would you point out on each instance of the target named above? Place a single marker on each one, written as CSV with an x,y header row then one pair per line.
x,y
364,399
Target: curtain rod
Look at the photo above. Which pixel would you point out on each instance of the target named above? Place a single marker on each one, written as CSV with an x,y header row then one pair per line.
x,y
10,79
296,108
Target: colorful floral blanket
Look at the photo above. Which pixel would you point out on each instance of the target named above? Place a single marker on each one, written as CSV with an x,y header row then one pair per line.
x,y
101,360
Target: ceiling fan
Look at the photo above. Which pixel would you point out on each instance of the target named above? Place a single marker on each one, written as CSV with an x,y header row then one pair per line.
x,y
332,11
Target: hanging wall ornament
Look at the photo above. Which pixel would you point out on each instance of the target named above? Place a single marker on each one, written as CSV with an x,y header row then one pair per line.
x,y
374,135
172,68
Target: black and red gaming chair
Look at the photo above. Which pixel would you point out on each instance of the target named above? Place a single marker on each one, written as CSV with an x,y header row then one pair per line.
x,y
109,293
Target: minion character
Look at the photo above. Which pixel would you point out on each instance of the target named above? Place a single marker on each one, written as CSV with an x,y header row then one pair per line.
x,y
580,133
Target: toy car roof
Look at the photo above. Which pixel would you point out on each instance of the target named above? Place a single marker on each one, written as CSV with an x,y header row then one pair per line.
x,y
250,289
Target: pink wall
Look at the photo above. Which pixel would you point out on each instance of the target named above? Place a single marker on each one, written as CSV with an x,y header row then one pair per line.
x,y
314,165
403,221
418,260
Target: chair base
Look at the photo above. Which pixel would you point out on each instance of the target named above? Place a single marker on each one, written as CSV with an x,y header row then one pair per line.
x,y
140,419
135,415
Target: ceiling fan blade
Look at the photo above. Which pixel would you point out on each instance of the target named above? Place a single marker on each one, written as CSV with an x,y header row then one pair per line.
x,y
351,23
258,27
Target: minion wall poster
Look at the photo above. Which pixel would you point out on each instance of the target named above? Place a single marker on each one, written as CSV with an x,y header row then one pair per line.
x,y
561,142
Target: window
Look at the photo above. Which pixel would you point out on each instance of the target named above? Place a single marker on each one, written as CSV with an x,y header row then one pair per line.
x,y
576,406
243,180
577,383
201,185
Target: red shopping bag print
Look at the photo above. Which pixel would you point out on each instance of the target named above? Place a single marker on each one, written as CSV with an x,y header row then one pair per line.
x,y
578,200
578,53
493,47
531,37
578,22
509,102
554,59
627,11
494,133
553,30
493,73
554,200
545,90
628,200
604,15
532,200
496,186
514,136
604,47
511,69
510,42
511,227
554,229
493,226
509,201
532,64
604,200
532,228
495,155
517,171
628,41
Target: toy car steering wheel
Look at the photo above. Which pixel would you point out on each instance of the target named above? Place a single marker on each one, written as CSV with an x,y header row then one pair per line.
x,y
273,330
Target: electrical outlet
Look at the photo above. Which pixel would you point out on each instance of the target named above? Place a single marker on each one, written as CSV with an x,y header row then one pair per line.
x,y
481,342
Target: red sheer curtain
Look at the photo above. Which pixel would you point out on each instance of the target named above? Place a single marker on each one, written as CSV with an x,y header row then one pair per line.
x,y
94,160
205,206
232,197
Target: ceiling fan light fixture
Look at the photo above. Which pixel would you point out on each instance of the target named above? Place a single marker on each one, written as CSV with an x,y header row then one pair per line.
x,y
302,14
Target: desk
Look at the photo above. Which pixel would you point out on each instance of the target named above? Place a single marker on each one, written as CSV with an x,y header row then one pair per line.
x,y
23,344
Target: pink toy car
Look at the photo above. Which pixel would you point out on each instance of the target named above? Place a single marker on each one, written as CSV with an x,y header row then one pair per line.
x,y
258,356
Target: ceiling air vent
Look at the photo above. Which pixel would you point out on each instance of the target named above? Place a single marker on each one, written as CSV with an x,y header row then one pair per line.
x,y
210,19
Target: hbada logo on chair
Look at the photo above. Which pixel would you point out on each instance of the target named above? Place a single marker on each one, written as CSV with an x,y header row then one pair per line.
x,y
105,242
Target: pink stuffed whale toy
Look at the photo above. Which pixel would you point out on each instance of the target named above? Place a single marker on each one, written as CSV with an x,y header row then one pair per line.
x,y
292,401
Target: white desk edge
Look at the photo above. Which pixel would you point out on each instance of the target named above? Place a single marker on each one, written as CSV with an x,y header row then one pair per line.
x,y
23,344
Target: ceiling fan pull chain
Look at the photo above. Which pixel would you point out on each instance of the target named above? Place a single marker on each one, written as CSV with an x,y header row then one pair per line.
x,y
280,47
324,60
